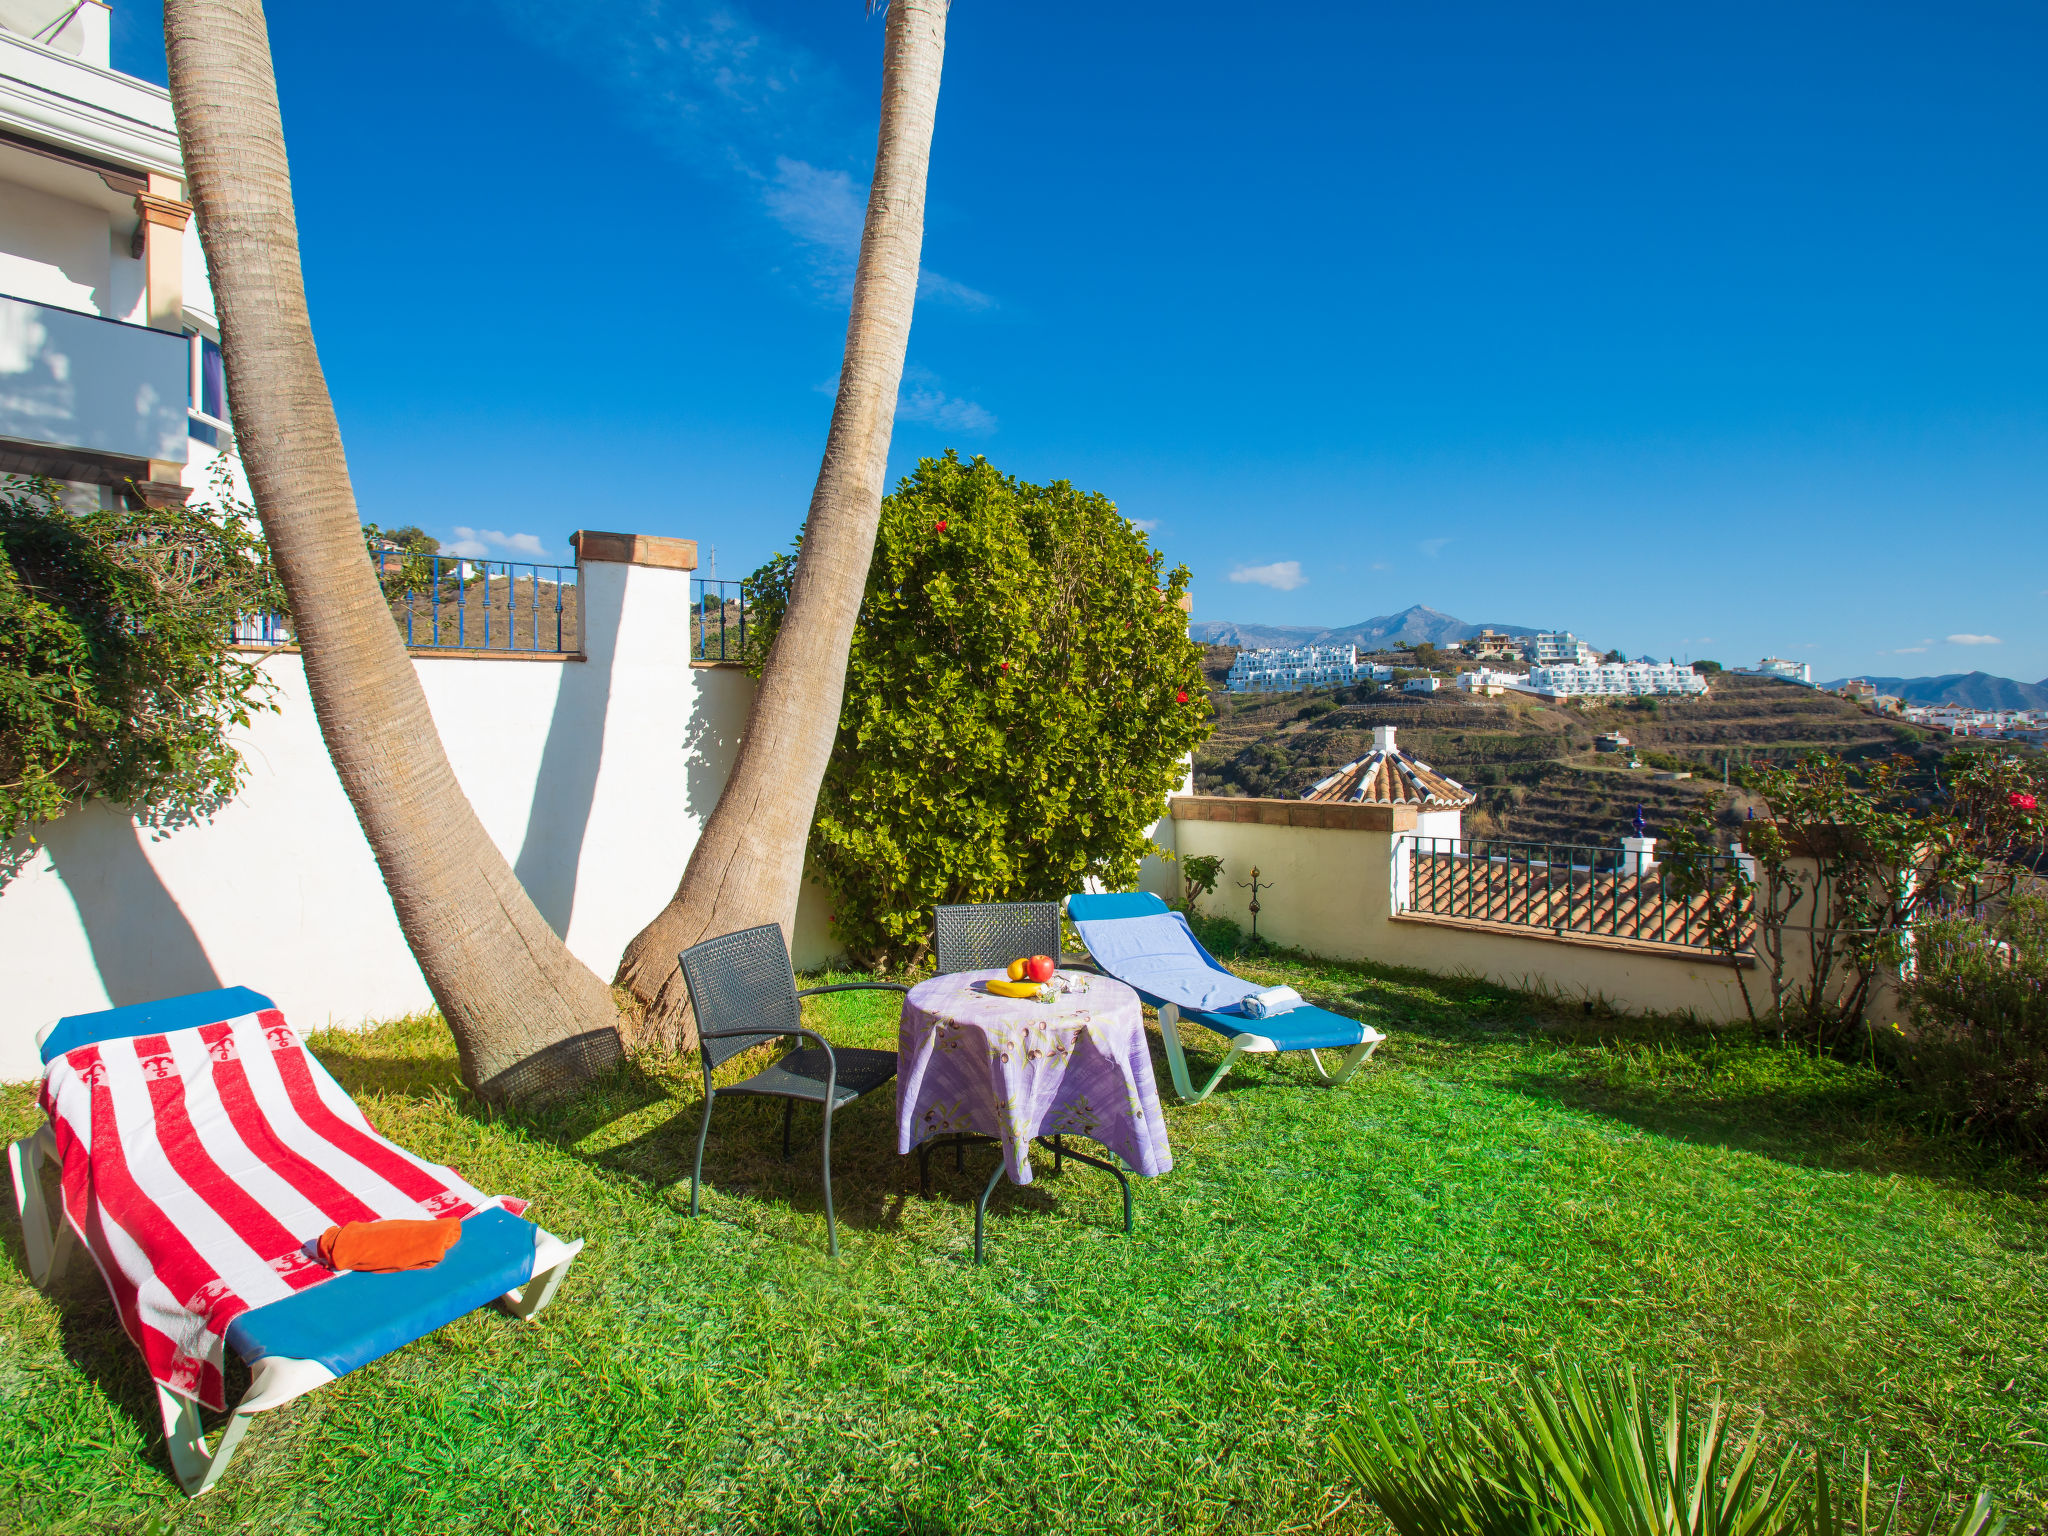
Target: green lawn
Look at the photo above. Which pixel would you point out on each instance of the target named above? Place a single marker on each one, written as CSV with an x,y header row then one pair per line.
x,y
1503,1184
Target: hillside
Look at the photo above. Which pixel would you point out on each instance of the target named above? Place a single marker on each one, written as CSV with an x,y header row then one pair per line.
x,y
1412,624
1972,690
1533,764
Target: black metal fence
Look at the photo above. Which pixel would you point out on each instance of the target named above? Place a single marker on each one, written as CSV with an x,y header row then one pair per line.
x,y
1562,888
718,619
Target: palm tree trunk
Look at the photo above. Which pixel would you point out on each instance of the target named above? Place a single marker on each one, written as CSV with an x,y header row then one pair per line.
x,y
747,868
529,1018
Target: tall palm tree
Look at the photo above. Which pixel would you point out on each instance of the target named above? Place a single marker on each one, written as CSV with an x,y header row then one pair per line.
x,y
747,867
528,1017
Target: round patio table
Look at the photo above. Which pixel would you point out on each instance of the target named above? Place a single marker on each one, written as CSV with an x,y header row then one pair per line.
x,y
972,1065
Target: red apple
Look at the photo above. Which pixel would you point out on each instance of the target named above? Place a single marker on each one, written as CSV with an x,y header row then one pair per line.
x,y
1039,968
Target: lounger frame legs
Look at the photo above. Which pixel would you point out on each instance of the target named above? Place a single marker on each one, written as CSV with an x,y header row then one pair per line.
x,y
1353,1059
1177,1061
47,1238
1183,1084
275,1382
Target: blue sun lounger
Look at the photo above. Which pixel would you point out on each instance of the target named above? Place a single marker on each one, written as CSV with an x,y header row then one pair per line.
x,y
301,1341
1136,938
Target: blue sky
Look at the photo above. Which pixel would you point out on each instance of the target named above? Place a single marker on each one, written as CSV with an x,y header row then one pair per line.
x,y
1700,331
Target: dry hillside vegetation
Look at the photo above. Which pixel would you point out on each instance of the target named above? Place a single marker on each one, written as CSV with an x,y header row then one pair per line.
x,y
1534,765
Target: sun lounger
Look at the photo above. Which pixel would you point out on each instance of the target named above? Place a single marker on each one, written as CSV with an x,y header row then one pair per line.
x,y
1136,938
201,1147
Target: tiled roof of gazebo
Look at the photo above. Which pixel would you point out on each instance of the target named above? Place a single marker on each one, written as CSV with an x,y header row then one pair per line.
x,y
1389,776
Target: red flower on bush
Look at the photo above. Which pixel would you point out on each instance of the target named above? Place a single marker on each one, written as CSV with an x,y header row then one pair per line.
x,y
942,525
2020,801
1181,697
1006,666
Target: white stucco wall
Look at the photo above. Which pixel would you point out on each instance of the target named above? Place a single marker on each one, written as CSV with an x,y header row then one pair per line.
x,y
592,776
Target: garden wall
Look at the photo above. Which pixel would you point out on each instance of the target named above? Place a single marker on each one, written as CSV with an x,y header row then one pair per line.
x,y
1334,873
592,774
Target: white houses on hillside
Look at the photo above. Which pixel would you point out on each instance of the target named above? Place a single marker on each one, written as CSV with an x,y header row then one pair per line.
x,y
110,368
1616,677
1303,666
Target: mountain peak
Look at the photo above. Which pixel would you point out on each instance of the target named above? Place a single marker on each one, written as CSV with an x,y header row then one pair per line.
x,y
1416,623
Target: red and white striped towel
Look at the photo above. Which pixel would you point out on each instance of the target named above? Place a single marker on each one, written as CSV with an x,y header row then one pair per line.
x,y
197,1164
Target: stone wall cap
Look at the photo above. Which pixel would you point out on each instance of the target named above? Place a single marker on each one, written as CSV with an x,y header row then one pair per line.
x,y
635,549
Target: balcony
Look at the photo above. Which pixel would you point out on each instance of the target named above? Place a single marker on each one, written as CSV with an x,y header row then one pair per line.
x,y
81,396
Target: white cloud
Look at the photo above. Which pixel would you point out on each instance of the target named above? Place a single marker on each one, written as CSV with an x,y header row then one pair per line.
x,y
723,95
1432,547
1974,640
823,208
1381,565
1906,650
932,286
943,410
1282,575
1145,524
483,543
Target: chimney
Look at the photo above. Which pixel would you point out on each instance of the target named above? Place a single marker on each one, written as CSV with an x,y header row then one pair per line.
x,y
1383,738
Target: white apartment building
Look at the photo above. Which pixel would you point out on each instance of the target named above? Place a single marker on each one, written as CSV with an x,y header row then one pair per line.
x,y
1558,647
110,368
1615,677
1489,682
1779,667
1300,667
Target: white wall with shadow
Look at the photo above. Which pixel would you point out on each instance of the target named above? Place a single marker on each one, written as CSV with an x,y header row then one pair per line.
x,y
593,776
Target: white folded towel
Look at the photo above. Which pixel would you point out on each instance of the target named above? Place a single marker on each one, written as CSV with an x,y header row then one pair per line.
x,y
1272,1001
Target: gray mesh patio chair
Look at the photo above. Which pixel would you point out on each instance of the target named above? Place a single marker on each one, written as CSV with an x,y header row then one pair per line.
x,y
743,991
984,937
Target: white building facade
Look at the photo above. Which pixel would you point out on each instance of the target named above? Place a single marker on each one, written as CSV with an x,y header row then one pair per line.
x,y
1779,667
1605,679
110,369
1559,647
1300,667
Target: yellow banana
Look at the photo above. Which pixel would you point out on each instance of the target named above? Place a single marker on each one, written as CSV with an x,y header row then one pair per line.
x,y
1012,988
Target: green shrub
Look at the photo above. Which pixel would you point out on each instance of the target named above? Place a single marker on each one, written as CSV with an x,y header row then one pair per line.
x,y
1977,1043
116,682
1020,695
1599,1456
1199,873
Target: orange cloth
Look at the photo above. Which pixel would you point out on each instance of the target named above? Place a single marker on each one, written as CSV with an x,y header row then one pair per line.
x,y
380,1246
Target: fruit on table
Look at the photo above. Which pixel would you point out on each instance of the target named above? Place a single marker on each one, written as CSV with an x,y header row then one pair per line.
x,y
1039,968
1012,988
1018,968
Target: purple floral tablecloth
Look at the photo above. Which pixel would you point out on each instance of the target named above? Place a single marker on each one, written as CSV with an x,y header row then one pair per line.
x,y
1012,1068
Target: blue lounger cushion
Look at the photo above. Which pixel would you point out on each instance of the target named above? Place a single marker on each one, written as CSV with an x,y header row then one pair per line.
x,y
158,1018
1306,1028
356,1318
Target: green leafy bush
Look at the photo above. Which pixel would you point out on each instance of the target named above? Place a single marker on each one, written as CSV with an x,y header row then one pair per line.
x,y
1199,873
115,678
1020,695
1977,1044
1599,1456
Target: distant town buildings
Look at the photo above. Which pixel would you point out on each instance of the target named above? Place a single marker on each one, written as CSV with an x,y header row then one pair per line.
x,y
1424,684
1605,679
1491,645
1561,646
2029,725
1299,667
1779,667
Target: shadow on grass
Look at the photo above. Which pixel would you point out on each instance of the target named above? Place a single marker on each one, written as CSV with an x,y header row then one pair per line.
x,y
1765,1099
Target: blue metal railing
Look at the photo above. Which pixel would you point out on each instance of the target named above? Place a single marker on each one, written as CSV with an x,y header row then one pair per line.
x,y
450,602
718,619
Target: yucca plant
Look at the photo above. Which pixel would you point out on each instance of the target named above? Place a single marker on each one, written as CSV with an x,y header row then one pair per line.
x,y
1595,1457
